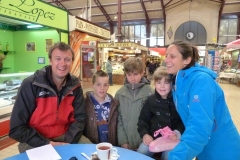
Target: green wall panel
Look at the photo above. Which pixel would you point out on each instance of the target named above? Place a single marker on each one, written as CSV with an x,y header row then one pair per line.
x,y
64,37
28,60
8,62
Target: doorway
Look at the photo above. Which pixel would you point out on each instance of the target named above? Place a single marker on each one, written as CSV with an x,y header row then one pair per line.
x,y
88,65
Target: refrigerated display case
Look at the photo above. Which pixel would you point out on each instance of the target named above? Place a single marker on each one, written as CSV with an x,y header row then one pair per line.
x,y
9,84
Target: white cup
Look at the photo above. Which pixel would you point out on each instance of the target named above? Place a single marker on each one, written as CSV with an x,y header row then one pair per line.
x,y
105,151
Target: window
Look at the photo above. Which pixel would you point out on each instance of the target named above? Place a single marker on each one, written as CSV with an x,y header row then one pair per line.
x,y
157,35
227,30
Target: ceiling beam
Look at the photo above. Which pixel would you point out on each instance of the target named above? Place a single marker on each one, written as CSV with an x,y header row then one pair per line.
x,y
53,1
219,15
148,30
219,1
59,4
129,12
173,5
109,19
164,16
112,4
145,11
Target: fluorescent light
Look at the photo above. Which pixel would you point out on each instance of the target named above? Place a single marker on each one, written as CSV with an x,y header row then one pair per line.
x,y
34,26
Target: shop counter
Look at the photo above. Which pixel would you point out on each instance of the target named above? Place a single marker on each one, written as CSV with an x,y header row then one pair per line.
x,y
118,78
226,75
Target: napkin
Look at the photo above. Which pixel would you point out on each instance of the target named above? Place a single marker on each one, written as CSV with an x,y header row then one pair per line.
x,y
46,152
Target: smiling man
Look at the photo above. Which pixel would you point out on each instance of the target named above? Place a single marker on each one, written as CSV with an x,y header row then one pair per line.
x,y
49,107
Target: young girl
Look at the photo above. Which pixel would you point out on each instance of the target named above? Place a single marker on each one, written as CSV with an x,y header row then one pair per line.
x,y
158,112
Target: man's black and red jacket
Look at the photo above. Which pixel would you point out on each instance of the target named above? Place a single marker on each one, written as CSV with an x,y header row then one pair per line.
x,y
41,112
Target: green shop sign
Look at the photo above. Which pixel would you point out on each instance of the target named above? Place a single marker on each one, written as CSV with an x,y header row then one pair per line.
x,y
35,11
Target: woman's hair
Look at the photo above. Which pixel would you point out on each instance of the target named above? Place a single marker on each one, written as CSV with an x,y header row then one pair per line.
x,y
62,47
159,74
187,50
99,73
133,64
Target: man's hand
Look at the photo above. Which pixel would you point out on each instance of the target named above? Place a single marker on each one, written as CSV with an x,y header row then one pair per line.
x,y
147,139
57,143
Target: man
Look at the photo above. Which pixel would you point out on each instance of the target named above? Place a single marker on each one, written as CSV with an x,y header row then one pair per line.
x,y
109,70
49,107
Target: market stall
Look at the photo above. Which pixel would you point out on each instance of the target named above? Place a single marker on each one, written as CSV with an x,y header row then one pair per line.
x,y
120,51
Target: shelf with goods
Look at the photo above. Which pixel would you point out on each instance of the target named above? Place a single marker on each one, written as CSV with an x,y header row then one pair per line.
x,y
154,58
213,58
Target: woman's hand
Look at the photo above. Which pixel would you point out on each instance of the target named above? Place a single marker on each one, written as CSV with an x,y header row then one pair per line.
x,y
173,137
57,143
147,139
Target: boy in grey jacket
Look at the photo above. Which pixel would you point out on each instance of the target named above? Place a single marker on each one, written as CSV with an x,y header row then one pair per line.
x,y
131,97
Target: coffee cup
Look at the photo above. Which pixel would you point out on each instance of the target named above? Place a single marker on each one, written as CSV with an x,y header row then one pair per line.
x,y
105,151
114,156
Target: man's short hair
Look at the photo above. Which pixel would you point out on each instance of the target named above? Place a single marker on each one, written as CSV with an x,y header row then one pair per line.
x,y
62,47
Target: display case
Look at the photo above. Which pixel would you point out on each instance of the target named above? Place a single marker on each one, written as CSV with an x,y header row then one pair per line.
x,y
9,84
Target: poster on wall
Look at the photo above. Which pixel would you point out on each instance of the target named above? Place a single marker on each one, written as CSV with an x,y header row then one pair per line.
x,y
30,46
49,44
41,60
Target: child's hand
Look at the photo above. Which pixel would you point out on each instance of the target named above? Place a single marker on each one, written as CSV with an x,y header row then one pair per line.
x,y
173,137
147,139
125,146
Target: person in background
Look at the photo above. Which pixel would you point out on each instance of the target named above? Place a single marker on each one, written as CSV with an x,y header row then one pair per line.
x,y
158,112
109,70
209,130
131,97
49,108
101,110
151,67
156,64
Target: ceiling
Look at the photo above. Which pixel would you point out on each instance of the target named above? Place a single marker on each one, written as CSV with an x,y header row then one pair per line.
x,y
132,11
135,11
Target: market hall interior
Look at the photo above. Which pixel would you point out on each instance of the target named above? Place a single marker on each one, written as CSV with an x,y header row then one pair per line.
x,y
214,26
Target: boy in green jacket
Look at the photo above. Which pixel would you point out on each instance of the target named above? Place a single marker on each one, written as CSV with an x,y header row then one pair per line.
x,y
131,97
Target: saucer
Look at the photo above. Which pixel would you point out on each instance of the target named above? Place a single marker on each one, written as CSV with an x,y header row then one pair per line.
x,y
112,157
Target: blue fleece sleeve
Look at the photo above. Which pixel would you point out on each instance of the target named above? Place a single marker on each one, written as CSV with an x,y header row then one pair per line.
x,y
196,109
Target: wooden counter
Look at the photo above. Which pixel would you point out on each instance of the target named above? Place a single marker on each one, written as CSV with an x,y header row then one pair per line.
x,y
118,78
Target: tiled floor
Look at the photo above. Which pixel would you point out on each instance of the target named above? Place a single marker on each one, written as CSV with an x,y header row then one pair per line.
x,y
232,94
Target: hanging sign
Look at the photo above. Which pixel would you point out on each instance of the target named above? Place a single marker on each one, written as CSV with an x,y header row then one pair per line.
x,y
35,11
122,45
87,27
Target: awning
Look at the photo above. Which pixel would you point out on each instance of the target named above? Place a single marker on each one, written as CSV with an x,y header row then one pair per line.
x,y
234,44
161,51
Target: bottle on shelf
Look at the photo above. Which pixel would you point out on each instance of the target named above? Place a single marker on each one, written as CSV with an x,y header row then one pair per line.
x,y
7,47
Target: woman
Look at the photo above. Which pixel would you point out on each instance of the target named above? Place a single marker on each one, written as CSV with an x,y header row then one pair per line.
x,y
209,130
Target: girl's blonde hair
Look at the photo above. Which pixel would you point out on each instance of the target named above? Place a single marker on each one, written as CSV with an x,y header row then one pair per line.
x,y
159,74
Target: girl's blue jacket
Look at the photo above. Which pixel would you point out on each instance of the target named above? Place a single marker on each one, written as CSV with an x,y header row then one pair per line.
x,y
209,130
